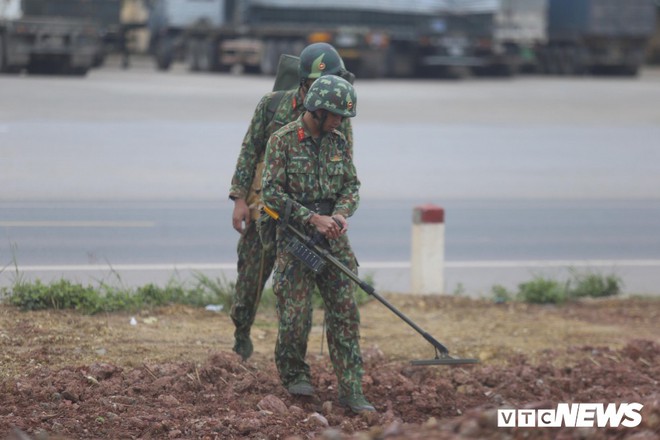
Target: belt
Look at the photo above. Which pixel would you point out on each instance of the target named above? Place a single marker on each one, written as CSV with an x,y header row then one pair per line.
x,y
321,207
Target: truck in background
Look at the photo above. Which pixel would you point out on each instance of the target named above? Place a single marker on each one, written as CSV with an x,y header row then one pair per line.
x,y
408,38
547,36
594,36
376,38
653,50
64,36
495,37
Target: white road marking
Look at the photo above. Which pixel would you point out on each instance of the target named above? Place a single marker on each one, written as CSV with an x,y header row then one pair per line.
x,y
487,264
125,267
77,224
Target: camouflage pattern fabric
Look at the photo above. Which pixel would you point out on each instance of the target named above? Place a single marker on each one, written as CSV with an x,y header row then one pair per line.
x,y
252,277
334,94
250,244
261,128
300,170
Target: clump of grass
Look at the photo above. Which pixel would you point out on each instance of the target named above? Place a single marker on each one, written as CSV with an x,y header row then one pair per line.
x,y
64,294
204,290
595,285
501,294
543,290
60,294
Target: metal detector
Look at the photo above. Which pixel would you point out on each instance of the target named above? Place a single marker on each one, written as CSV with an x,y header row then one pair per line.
x,y
442,356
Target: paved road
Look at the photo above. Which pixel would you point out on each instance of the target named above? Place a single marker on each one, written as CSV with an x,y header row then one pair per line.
x,y
535,173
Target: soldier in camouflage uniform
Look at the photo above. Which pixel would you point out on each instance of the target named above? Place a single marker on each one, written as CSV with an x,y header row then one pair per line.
x,y
310,179
256,258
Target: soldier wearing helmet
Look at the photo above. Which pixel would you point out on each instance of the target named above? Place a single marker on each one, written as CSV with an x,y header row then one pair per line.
x,y
320,59
310,179
256,255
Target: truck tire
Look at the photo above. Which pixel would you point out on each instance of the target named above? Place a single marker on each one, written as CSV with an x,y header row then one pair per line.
x,y
192,55
164,54
68,69
79,71
3,65
630,70
207,59
552,61
573,61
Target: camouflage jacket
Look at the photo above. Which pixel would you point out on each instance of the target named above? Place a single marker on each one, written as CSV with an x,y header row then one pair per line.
x,y
264,123
299,169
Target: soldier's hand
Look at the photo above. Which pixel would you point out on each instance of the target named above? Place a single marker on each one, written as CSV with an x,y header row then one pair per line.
x,y
241,216
328,226
341,222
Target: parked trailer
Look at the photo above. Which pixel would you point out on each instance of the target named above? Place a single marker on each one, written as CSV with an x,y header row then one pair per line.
x,y
375,37
488,36
404,38
64,36
597,35
548,36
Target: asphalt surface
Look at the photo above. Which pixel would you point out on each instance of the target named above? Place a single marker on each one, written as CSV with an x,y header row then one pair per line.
x,y
130,168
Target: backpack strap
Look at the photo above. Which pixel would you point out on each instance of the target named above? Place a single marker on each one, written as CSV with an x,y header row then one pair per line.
x,y
253,197
274,103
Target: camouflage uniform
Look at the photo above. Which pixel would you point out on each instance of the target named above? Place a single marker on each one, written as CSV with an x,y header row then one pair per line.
x,y
300,170
252,252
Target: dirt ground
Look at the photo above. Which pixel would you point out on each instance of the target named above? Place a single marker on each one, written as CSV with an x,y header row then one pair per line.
x,y
64,375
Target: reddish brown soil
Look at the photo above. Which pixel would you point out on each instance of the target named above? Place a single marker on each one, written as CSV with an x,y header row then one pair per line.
x,y
68,376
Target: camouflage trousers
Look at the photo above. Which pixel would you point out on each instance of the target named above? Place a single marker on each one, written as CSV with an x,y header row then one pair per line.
x,y
294,284
255,263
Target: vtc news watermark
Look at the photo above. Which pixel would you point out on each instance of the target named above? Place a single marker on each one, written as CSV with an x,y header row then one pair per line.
x,y
573,415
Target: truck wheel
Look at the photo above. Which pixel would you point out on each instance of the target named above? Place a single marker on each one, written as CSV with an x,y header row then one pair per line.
x,y
205,60
506,70
192,55
552,62
630,70
2,54
163,54
79,71
163,62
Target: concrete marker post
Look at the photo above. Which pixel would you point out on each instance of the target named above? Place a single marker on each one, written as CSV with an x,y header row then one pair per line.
x,y
428,250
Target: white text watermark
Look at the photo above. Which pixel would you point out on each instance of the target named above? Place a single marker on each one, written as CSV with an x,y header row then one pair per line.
x,y
573,415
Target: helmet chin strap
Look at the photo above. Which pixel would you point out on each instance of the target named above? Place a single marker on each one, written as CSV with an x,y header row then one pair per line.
x,y
321,120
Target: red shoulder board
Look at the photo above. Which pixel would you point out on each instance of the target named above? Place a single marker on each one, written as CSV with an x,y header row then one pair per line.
x,y
301,134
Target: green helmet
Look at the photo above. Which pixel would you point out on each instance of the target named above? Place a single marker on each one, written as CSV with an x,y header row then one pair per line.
x,y
320,59
334,94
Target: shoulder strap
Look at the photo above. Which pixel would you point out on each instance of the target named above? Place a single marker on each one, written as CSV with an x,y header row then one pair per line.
x,y
274,103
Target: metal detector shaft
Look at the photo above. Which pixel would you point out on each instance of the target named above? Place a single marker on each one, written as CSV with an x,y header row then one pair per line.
x,y
442,351
371,291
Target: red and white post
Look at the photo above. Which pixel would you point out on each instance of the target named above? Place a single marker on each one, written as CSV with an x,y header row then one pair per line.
x,y
428,250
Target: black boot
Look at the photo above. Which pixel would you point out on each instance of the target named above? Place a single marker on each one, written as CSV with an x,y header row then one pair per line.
x,y
357,403
243,344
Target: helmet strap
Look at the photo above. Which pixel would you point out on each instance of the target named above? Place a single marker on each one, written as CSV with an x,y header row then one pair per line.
x,y
320,120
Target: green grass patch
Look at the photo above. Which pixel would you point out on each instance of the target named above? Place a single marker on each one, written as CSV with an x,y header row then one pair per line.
x,y
542,290
200,292
64,294
595,285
